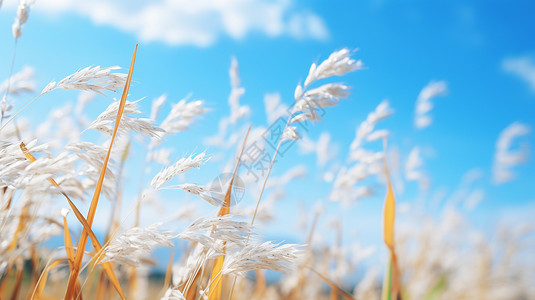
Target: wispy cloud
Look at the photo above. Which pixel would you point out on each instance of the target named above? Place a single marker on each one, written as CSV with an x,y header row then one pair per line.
x,y
523,67
505,158
199,23
424,105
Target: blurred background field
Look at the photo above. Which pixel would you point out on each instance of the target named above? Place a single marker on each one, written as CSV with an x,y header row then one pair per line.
x,y
453,80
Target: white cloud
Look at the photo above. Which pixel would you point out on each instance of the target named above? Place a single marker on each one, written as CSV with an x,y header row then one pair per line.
x,y
522,67
199,23
505,158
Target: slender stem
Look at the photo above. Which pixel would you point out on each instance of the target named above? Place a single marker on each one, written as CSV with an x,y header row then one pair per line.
x,y
10,119
9,79
269,172
261,193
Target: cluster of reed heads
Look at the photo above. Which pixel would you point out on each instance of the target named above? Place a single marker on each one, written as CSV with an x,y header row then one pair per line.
x,y
438,256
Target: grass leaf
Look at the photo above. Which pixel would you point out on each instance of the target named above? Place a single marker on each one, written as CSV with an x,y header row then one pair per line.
x,y
93,207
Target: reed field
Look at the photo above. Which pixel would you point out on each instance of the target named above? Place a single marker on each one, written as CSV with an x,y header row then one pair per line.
x,y
64,179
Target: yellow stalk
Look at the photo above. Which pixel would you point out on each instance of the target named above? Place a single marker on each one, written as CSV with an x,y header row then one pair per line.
x,y
192,291
101,287
216,279
96,244
389,218
4,280
168,272
333,286
260,284
37,293
18,282
22,221
93,207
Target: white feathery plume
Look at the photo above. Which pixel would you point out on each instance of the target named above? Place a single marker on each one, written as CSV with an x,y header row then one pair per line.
x,y
203,192
309,101
522,67
156,105
327,95
366,128
413,165
23,12
368,163
377,135
339,63
183,273
160,156
505,158
173,294
90,182
266,256
218,233
136,243
413,170
424,104
18,172
290,133
89,152
22,81
104,122
90,79
237,111
474,198
93,155
181,166
193,188
182,115
324,149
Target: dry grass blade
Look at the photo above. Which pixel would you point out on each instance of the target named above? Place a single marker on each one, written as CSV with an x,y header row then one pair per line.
x,y
38,292
389,217
216,280
335,287
18,283
5,279
78,214
192,291
225,209
34,271
93,207
96,244
69,248
168,272
22,222
394,277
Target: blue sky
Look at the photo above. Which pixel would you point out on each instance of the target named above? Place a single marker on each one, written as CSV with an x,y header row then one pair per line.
x,y
403,44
